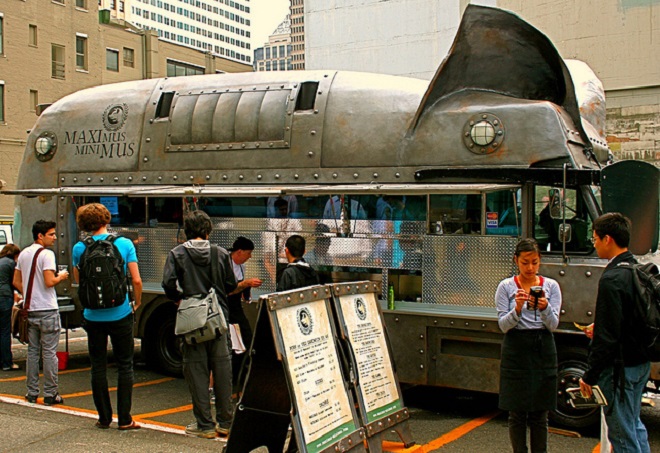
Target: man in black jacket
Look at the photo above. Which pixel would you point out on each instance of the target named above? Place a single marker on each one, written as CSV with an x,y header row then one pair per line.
x,y
189,265
617,362
298,273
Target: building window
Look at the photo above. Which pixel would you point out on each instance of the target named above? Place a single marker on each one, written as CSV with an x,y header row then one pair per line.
x,y
81,53
2,34
112,60
61,2
178,68
57,57
121,6
32,35
129,57
82,4
2,102
34,100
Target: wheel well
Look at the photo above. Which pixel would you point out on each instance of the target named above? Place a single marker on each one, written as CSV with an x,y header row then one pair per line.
x,y
157,309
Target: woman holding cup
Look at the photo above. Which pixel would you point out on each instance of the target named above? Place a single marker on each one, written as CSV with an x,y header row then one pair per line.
x,y
528,310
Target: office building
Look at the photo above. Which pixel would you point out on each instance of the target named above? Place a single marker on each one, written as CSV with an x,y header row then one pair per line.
x,y
298,34
275,55
221,27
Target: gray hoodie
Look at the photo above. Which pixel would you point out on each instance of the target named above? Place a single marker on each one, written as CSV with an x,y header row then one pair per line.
x,y
187,272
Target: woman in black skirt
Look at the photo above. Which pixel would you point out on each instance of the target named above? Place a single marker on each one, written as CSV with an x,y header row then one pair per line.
x,y
528,310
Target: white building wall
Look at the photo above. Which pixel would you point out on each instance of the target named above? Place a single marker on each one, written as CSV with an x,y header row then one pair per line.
x,y
399,37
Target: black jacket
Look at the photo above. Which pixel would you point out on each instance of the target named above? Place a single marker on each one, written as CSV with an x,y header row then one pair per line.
x,y
189,264
613,326
297,275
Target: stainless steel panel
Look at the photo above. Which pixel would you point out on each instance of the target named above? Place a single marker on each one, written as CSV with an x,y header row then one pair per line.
x,y
224,118
247,116
465,270
272,118
202,119
180,130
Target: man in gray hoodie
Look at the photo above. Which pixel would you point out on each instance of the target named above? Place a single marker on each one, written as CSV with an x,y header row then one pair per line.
x,y
189,265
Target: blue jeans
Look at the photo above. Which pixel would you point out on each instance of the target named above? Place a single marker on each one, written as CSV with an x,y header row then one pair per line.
x,y
121,336
627,433
43,337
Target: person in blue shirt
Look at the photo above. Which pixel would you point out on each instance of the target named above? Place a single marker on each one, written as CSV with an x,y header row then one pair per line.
x,y
115,322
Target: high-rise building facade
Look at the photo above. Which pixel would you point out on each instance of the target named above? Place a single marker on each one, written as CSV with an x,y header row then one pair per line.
x,y
275,55
51,49
222,27
298,34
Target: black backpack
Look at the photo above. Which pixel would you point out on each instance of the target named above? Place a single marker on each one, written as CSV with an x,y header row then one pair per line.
x,y
103,282
646,312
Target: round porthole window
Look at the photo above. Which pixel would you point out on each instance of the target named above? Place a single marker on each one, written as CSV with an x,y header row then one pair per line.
x,y
483,133
45,146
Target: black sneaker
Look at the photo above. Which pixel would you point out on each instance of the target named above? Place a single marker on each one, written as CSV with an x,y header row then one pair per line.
x,y
31,398
52,400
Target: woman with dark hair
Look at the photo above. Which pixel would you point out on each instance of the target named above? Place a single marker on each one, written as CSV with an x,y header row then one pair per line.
x,y
8,258
528,310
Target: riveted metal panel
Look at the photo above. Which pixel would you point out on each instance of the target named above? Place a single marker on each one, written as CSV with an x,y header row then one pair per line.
x,y
182,113
465,270
247,116
202,120
225,118
272,119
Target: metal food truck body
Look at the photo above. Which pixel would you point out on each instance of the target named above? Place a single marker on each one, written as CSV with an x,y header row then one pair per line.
x,y
424,187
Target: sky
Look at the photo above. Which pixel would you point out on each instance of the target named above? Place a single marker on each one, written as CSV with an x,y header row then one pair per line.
x,y
266,16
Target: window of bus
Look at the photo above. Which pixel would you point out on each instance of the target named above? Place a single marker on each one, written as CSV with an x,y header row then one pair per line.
x,y
550,203
458,213
167,210
124,210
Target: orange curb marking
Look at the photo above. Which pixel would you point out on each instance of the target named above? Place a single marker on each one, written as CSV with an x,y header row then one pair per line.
x,y
114,389
173,410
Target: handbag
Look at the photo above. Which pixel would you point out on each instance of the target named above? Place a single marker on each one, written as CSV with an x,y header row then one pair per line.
x,y
19,313
200,318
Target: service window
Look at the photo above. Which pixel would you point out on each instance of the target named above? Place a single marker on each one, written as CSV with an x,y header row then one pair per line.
x,y
503,212
458,213
3,238
124,210
165,210
550,204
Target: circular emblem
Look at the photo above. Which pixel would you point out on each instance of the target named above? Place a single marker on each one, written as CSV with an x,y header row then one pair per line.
x,y
114,116
360,308
305,322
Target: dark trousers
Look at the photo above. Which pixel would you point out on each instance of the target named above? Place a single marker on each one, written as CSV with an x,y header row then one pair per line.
x,y
6,359
199,361
239,361
121,337
538,431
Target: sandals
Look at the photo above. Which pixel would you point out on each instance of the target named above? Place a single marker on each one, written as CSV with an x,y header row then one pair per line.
x,y
13,367
133,425
100,425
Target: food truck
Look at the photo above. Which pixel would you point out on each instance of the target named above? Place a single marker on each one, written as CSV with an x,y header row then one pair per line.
x,y
425,187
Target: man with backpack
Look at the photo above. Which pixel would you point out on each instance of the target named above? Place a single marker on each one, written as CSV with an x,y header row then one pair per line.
x,y
100,266
618,360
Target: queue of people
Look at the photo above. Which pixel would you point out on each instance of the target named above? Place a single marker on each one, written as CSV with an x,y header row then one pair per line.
x,y
528,307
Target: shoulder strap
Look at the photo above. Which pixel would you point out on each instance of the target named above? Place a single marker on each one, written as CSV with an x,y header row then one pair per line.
x,y
28,293
89,240
214,265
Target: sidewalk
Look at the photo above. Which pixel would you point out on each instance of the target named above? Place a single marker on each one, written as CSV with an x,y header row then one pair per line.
x,y
29,428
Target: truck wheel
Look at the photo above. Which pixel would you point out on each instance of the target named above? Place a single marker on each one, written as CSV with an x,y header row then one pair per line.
x,y
572,365
163,348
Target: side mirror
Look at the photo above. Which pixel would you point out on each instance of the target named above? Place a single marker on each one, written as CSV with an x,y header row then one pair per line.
x,y
555,203
565,232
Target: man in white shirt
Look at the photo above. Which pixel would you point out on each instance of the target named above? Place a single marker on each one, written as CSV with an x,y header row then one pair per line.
x,y
43,313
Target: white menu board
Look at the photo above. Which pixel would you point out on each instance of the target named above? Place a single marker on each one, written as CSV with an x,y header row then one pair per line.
x,y
367,337
311,357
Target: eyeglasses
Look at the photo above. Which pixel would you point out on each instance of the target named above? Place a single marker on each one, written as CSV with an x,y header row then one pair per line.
x,y
593,239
